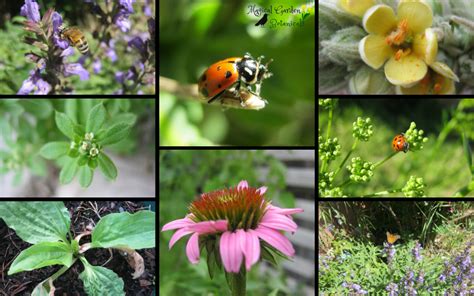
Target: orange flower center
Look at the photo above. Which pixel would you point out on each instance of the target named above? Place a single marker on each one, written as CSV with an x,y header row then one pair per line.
x,y
398,36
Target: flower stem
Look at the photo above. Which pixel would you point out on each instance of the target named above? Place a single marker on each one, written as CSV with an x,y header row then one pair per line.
x,y
238,282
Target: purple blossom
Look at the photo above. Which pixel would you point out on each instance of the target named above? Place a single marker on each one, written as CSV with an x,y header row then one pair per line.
x,y
97,66
147,9
120,77
67,52
392,289
138,43
36,83
127,5
109,50
31,10
76,69
122,21
416,252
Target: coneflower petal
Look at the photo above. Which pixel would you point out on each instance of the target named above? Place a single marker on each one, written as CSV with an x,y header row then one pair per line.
x,y
192,249
276,240
177,235
250,246
231,253
278,222
180,223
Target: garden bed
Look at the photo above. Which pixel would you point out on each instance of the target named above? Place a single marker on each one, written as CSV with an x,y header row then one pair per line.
x,y
83,214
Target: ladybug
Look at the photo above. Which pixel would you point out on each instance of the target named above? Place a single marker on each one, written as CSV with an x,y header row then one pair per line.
x,y
233,74
400,143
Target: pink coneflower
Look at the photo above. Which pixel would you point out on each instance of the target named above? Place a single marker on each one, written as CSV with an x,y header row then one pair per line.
x,y
242,218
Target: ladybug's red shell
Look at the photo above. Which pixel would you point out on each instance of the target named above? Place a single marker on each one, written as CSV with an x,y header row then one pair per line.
x,y
400,143
219,77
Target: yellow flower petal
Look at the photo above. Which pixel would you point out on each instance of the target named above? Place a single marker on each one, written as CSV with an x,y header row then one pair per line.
x,y
379,19
418,14
374,51
425,46
444,70
356,7
406,71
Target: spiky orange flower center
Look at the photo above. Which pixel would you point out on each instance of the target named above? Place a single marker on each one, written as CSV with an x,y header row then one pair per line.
x,y
243,208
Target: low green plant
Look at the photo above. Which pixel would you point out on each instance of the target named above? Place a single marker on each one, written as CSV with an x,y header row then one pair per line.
x,y
360,170
34,130
46,225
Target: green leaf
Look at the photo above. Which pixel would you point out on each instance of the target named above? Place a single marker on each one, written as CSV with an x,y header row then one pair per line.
x,y
128,118
36,222
286,199
85,176
96,118
115,133
41,108
53,150
100,281
69,170
65,125
107,167
41,255
133,231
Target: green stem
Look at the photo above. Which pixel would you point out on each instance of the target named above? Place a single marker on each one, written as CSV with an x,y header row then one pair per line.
x,y
387,158
382,193
238,282
328,133
347,156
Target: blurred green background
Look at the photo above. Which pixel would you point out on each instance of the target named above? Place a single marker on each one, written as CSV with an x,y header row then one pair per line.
x,y
195,34
442,163
184,174
14,68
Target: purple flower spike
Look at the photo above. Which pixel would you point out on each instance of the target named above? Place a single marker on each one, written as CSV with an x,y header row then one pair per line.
x,y
97,66
31,10
127,5
122,21
76,69
43,88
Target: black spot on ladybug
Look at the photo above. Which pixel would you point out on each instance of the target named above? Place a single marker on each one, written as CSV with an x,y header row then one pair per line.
x,y
203,77
231,62
219,86
228,74
204,92
218,68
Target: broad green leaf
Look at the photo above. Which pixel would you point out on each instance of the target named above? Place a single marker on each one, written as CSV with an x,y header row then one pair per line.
x,y
36,222
133,231
41,255
53,150
96,118
128,118
100,281
107,167
115,133
65,125
41,108
85,176
69,170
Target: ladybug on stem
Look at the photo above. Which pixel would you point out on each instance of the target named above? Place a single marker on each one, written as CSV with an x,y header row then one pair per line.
x,y
400,143
232,74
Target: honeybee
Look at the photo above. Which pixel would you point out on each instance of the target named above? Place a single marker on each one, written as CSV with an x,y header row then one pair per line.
x,y
75,37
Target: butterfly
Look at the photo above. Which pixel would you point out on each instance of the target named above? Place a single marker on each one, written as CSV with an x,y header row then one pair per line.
x,y
392,238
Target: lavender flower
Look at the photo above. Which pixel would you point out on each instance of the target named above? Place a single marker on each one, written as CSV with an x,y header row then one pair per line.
x,y
76,69
97,66
392,289
389,250
31,10
416,252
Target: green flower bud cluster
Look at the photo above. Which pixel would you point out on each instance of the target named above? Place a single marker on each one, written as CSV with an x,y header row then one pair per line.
x,y
327,103
333,192
325,180
415,137
362,129
361,171
414,187
330,149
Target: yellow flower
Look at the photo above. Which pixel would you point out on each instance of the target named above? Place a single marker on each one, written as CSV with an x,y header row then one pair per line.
x,y
356,7
439,80
404,43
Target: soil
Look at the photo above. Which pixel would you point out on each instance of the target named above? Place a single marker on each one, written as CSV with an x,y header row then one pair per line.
x,y
83,214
